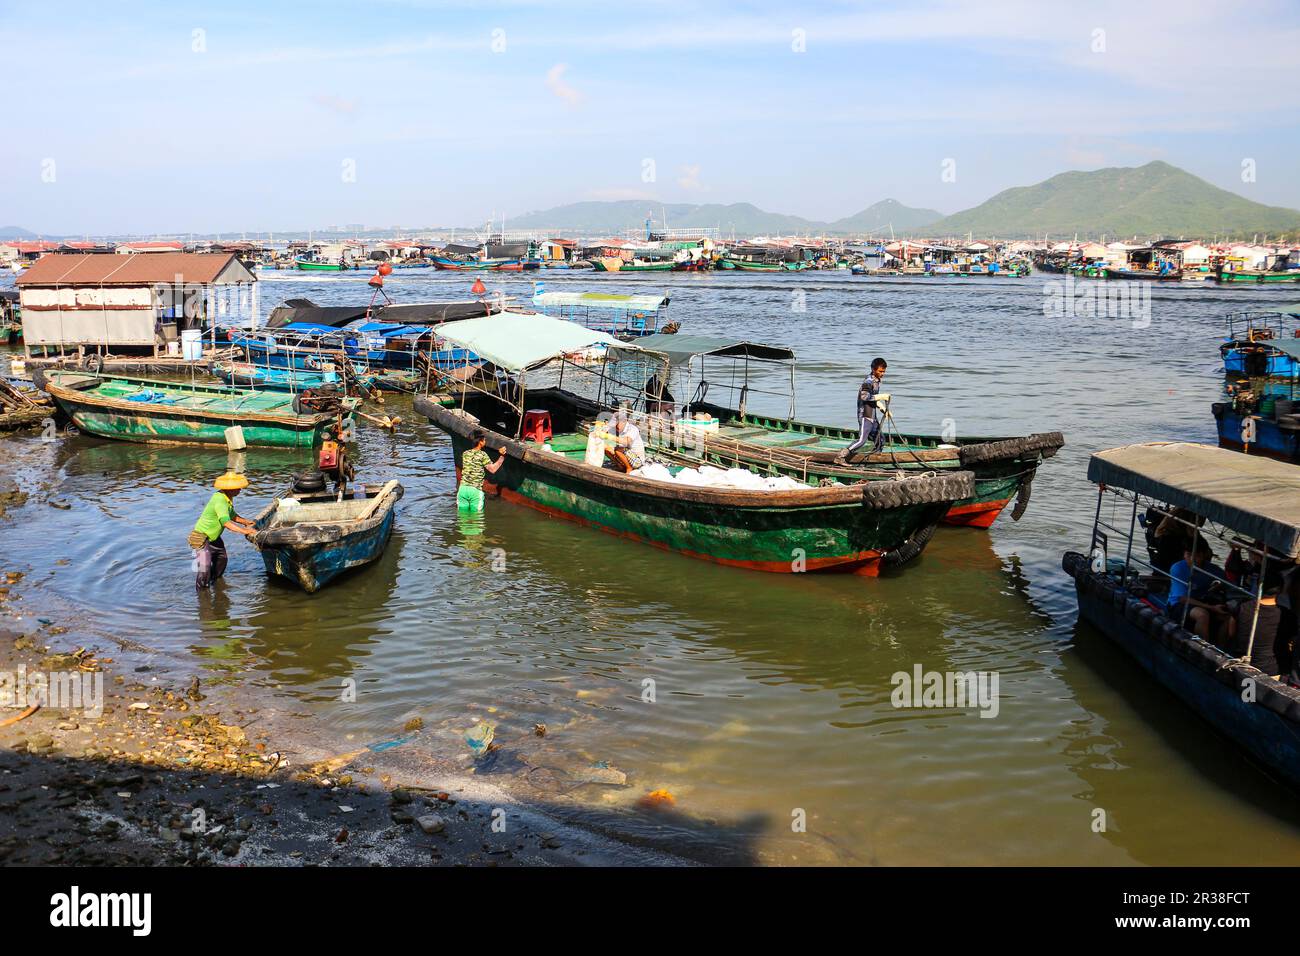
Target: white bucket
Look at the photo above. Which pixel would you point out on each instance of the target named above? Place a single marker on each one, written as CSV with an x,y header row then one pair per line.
x,y
192,344
235,438
173,349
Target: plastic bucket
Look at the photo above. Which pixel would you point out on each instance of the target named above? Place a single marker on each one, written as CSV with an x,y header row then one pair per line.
x,y
192,345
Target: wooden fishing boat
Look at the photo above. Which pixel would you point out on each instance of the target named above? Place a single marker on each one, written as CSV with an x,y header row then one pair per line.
x,y
1257,343
471,265
746,265
861,527
1148,275
1124,596
145,410
1233,278
311,539
311,265
1003,467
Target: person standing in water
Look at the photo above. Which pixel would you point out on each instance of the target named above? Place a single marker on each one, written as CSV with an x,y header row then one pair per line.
x,y
474,466
869,394
218,516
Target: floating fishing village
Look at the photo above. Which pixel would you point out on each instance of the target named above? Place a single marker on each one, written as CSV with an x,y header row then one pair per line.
x,y
593,517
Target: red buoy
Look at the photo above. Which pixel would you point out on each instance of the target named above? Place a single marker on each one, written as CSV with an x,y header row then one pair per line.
x,y
479,287
377,281
385,268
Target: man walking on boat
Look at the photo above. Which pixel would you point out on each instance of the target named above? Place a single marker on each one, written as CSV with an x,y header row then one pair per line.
x,y
870,401
219,515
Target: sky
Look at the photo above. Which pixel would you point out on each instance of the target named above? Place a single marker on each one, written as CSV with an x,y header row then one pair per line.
x,y
233,117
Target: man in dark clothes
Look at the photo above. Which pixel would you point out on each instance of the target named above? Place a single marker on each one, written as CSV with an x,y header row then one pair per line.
x,y
870,400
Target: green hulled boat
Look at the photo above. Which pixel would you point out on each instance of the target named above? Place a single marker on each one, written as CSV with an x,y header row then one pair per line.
x,y
145,410
310,265
746,265
878,521
1230,278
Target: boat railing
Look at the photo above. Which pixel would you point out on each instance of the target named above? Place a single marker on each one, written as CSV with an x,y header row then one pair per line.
x,y
1099,557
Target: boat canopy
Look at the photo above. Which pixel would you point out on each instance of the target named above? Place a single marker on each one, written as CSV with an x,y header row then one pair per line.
x,y
1289,346
1255,497
680,349
389,330
601,300
516,341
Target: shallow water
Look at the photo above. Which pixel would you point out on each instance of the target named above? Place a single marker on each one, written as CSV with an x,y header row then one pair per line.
x,y
772,693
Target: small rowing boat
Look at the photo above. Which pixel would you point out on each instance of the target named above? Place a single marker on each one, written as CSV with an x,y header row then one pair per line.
x,y
313,538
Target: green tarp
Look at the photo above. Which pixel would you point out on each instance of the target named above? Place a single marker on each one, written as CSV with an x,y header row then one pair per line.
x,y
1256,497
680,349
516,341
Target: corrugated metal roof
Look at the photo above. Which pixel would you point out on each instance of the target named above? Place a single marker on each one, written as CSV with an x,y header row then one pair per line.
x,y
115,269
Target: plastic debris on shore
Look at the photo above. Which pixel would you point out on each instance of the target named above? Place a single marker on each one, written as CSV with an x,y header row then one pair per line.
x,y
479,738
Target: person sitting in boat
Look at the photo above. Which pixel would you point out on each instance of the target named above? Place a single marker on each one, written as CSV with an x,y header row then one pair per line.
x,y
870,398
1173,537
658,400
474,465
219,515
1272,650
628,452
1199,594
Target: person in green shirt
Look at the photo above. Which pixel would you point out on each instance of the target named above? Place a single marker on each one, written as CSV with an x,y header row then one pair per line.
x,y
219,515
474,464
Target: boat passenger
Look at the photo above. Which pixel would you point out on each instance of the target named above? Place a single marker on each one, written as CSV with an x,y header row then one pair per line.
x,y
1173,538
219,515
1200,592
628,453
1274,629
474,463
869,397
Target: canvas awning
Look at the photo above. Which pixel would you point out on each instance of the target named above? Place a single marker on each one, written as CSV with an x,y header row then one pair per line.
x,y
516,341
1256,497
680,349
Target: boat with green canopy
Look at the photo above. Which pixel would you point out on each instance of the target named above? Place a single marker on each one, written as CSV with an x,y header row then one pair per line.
x,y
729,433
147,410
878,520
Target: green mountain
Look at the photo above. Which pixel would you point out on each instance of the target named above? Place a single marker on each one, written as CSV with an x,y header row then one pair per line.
x,y
745,219
885,215
1152,200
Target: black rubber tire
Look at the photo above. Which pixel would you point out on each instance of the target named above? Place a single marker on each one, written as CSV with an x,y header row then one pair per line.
x,y
910,549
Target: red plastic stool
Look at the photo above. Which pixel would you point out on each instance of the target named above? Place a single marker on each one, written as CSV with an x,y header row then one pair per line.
x,y
537,425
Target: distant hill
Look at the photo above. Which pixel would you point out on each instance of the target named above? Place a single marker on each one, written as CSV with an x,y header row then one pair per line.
x,y
744,218
885,215
1151,200
15,232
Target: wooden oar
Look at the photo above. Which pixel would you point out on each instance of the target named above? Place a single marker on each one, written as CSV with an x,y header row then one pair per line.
x,y
385,422
374,504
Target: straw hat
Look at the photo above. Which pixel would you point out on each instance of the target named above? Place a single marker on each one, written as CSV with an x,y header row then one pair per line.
x,y
231,482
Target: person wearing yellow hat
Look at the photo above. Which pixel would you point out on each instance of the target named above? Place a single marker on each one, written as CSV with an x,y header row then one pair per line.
x,y
219,515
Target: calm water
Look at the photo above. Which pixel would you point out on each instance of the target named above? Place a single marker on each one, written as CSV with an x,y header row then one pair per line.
x,y
772,692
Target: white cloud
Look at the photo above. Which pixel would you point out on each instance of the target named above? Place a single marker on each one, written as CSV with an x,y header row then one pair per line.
x,y
556,84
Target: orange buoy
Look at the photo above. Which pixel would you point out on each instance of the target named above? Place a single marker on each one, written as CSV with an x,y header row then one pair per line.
x,y
479,288
385,268
377,281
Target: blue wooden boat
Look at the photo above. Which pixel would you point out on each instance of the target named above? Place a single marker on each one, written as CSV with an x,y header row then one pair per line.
x,y
1120,593
311,539
1262,343
1267,425
251,375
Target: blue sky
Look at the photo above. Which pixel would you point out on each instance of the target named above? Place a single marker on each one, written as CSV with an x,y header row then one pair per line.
x,y
166,118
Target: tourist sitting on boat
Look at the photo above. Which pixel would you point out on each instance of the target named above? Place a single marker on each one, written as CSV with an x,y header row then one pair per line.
x,y
474,464
1275,629
870,399
219,515
1205,609
628,452
1172,537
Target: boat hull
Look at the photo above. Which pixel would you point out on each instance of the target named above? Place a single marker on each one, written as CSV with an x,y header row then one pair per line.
x,y
1271,439
1204,678
1254,278
160,423
1004,468
315,559
859,528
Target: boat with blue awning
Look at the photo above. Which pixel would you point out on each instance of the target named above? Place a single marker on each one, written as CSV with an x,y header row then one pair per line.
x,y
1251,346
